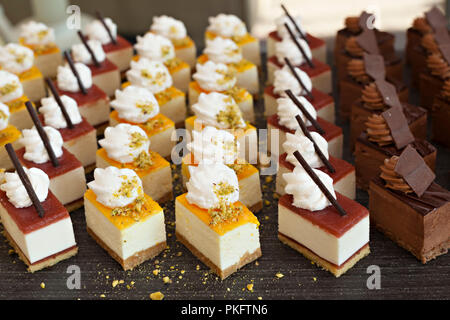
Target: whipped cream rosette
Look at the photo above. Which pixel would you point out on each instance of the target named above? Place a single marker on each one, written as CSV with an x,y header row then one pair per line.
x,y
214,146
299,142
227,25
135,104
68,82
285,80
281,28
35,150
152,75
307,195
287,110
10,86
81,54
53,115
116,187
222,50
288,49
169,27
37,34
155,47
96,30
16,58
211,185
213,76
218,110
16,192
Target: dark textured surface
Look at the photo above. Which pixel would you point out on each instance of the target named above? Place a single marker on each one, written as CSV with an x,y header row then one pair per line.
x,y
402,276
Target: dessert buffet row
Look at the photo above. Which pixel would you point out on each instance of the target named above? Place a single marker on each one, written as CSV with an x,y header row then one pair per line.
x,y
53,106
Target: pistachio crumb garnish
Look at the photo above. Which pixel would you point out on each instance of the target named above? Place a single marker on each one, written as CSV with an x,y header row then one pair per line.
x,y
158,79
8,88
227,75
137,140
235,93
238,167
153,124
143,161
172,63
224,211
146,107
231,116
2,115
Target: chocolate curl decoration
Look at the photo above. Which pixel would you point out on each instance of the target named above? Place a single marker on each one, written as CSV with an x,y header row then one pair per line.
x,y
75,72
319,183
294,38
291,67
88,48
100,17
304,111
42,133
25,181
316,147
59,102
297,28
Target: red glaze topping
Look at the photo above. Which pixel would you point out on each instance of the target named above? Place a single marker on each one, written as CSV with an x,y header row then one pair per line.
x,y
329,218
78,130
67,162
313,42
121,44
105,66
28,220
331,130
319,67
320,100
342,167
94,93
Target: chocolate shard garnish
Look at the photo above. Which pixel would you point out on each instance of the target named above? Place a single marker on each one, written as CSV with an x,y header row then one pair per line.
x,y
374,65
398,125
299,80
364,18
304,111
413,169
59,102
445,51
436,18
88,48
441,36
297,27
100,17
319,152
389,93
368,42
299,46
319,183
42,134
75,72
25,181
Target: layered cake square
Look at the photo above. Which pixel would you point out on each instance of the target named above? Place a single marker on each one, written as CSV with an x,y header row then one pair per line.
x,y
126,223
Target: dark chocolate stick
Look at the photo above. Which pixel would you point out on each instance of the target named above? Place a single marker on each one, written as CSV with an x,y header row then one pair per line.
x,y
59,102
319,183
295,24
25,181
88,48
319,152
294,38
304,111
42,134
291,67
100,17
75,72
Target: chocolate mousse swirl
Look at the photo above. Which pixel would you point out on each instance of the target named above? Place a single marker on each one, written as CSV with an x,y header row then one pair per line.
x,y
421,25
438,66
353,48
357,71
378,130
445,92
372,98
393,180
352,24
429,43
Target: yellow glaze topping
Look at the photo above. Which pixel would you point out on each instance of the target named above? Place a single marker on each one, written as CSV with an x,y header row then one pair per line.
x,y
122,222
246,216
9,135
240,41
189,123
157,124
240,66
158,162
17,104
